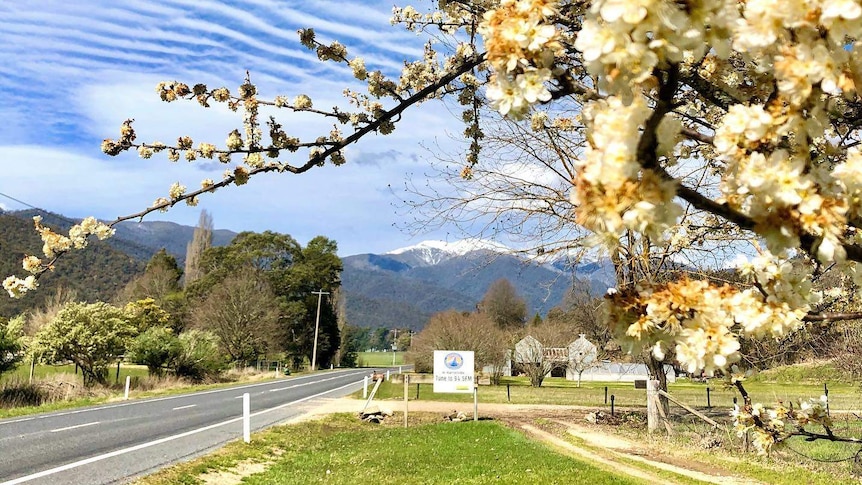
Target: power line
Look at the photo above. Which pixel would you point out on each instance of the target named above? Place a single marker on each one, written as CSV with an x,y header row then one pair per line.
x,y
19,201
58,216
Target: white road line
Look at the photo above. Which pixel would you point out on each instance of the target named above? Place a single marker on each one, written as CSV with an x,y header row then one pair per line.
x,y
284,388
346,373
73,427
141,446
185,407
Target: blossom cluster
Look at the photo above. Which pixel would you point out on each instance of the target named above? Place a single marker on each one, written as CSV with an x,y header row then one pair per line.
x,y
612,193
16,287
692,317
53,245
521,42
623,41
783,296
448,18
701,321
769,426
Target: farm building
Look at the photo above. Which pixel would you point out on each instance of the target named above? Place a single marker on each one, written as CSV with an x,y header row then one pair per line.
x,y
579,356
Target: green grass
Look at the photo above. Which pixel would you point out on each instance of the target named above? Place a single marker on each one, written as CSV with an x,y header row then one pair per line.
x,y
50,407
560,391
379,359
809,372
344,450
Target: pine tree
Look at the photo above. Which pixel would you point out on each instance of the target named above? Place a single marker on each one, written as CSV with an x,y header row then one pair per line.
x,y
201,241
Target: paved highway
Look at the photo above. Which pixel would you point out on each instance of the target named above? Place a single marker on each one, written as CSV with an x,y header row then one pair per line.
x,y
114,443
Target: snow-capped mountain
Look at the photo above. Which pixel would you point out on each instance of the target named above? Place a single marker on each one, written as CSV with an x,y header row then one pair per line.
x,y
432,252
405,286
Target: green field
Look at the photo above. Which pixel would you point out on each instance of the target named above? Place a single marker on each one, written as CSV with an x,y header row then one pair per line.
x,y
379,359
556,390
344,450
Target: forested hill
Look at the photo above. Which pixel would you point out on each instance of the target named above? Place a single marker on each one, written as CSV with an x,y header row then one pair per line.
x,y
97,273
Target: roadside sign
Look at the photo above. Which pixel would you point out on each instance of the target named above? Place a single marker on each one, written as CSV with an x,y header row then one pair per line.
x,y
453,371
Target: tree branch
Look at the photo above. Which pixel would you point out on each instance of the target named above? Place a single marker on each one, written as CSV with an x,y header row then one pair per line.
x,y
421,95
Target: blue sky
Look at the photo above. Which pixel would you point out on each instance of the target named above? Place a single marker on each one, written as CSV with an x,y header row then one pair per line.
x,y
73,71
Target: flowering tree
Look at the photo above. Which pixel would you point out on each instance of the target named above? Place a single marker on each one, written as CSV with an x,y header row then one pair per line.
x,y
759,96
93,336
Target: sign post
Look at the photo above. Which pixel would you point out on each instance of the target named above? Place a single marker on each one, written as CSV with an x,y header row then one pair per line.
x,y
475,403
454,373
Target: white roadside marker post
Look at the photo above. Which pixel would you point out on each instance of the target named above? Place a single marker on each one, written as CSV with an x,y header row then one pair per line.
x,y
365,387
128,382
246,418
406,379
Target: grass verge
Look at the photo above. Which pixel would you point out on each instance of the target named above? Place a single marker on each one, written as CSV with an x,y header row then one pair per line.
x,y
42,371
344,450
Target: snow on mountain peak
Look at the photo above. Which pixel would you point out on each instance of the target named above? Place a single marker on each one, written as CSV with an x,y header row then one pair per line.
x,y
435,251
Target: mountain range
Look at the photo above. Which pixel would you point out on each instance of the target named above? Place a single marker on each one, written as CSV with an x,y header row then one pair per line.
x,y
404,287
400,288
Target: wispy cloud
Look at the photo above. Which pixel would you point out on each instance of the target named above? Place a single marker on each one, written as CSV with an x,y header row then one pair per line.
x,y
72,73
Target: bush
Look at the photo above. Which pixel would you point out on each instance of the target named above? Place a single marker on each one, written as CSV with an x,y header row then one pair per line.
x,y
155,348
199,357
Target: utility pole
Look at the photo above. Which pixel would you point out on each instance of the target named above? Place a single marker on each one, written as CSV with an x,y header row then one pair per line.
x,y
316,327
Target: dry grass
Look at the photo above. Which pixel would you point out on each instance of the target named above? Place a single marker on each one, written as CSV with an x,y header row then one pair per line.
x,y
246,374
153,383
52,389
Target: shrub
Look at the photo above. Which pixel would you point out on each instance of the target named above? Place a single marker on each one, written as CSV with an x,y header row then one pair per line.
x,y
155,348
199,356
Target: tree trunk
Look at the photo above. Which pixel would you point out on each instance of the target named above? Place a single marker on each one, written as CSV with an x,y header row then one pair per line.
x,y
656,370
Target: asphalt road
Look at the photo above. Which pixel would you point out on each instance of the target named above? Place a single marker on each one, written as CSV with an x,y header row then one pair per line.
x,y
117,442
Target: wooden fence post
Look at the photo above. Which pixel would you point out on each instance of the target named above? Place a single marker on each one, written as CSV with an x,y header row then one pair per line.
x,y
653,404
